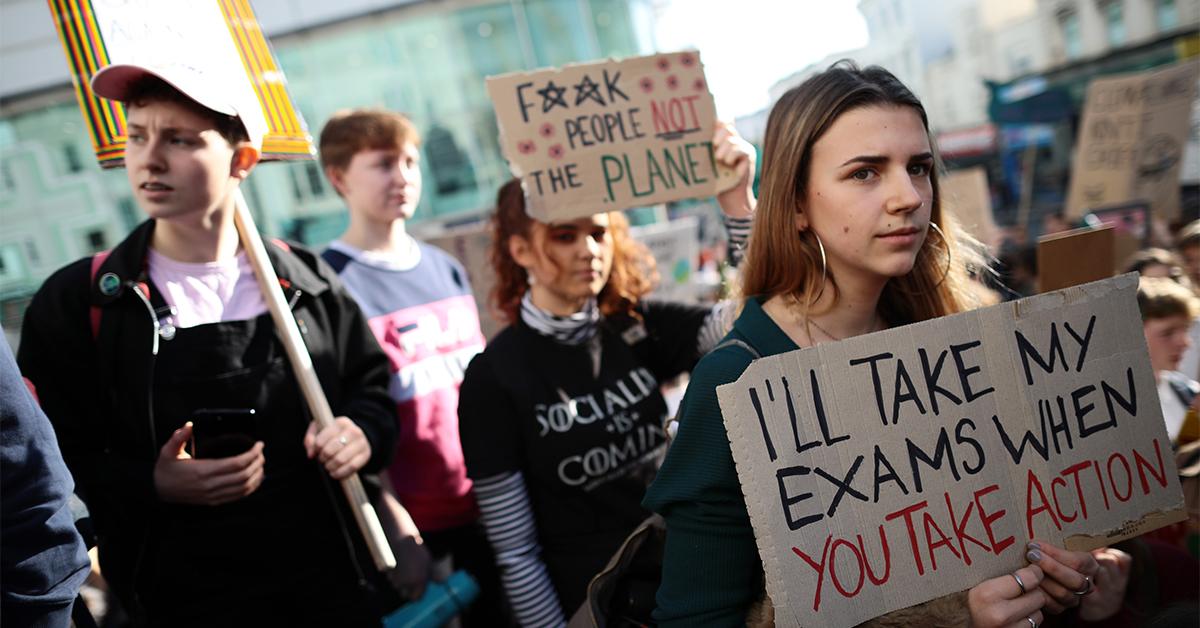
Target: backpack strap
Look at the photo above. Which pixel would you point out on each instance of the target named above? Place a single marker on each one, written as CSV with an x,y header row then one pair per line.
x,y
734,342
94,312
672,424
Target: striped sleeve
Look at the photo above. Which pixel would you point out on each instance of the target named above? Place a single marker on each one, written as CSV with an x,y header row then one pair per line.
x,y
508,520
739,235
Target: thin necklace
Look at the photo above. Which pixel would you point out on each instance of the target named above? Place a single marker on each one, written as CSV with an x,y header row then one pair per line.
x,y
837,339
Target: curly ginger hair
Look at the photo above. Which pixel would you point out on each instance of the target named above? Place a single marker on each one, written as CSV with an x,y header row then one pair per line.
x,y
633,270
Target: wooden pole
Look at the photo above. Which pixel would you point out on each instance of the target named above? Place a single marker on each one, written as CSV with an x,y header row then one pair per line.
x,y
306,375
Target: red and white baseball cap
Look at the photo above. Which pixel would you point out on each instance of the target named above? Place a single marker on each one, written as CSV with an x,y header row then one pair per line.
x,y
116,81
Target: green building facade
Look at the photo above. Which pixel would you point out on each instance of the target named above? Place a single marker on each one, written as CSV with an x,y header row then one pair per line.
x,y
426,59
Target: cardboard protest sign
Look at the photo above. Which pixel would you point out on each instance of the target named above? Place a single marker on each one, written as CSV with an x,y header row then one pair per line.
x,y
1131,140
675,246
1060,257
965,192
893,468
220,39
472,248
610,135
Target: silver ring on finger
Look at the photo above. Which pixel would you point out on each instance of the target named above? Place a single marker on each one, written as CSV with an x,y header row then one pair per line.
x,y
1019,582
1032,624
1087,587
343,440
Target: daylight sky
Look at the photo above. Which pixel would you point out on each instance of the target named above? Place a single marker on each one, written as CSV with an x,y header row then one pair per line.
x,y
747,45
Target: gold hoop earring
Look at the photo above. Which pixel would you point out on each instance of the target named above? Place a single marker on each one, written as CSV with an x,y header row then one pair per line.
x,y
949,262
824,269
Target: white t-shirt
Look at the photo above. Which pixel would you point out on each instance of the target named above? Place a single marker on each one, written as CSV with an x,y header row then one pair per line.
x,y
208,292
1173,409
1189,364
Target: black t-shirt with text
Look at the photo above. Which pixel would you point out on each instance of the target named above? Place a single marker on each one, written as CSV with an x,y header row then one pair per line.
x,y
588,445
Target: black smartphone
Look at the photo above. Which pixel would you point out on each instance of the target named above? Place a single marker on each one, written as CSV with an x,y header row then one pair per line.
x,y
223,432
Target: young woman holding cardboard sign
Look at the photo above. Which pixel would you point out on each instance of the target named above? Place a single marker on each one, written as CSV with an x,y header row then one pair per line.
x,y
561,415
849,238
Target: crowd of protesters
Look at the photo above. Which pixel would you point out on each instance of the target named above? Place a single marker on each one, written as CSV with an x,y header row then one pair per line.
x,y
472,450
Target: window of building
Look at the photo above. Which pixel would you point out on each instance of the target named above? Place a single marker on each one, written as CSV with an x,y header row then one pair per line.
x,y
1166,14
316,182
96,240
71,157
1072,40
6,178
1114,22
11,263
548,21
128,211
31,252
294,178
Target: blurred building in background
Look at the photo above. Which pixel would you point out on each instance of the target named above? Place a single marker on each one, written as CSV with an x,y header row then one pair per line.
x,y
1038,111
1004,81
425,58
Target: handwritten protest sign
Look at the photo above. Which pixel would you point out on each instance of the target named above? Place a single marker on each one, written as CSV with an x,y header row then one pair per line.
x,y
611,135
218,38
1131,140
1058,256
893,468
675,246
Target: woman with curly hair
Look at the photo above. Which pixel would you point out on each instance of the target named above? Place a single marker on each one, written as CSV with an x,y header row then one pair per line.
x,y
561,417
850,237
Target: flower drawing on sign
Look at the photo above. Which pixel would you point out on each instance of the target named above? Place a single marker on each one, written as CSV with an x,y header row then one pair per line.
x,y
546,130
698,85
526,147
647,84
664,64
672,82
687,60
556,151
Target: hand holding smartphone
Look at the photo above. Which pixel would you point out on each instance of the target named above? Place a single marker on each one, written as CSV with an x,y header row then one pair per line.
x,y
223,432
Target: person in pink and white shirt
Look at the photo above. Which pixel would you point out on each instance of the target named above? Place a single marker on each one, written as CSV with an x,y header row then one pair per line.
x,y
418,303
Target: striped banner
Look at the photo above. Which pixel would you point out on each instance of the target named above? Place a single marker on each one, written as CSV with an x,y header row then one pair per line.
x,y
79,32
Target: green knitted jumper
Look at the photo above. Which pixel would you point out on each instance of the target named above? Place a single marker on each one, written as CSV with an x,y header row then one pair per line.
x,y
711,569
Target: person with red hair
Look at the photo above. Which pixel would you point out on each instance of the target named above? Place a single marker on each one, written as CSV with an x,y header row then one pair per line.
x,y
561,417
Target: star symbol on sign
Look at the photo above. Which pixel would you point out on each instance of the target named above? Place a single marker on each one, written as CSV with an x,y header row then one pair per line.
x,y
552,95
587,88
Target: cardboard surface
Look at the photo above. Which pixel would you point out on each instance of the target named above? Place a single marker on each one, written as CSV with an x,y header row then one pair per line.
x,y
1076,257
1132,138
675,246
965,192
219,38
954,441
609,135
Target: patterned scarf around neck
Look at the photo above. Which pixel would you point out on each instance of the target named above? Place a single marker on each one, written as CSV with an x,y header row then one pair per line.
x,y
575,329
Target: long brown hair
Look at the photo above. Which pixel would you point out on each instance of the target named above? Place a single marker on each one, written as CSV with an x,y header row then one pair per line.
x,y
631,278
781,262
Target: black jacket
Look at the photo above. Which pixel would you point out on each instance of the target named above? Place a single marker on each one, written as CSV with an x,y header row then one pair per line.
x,y
98,391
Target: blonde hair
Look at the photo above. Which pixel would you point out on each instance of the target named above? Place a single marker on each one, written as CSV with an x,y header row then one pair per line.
x,y
780,262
